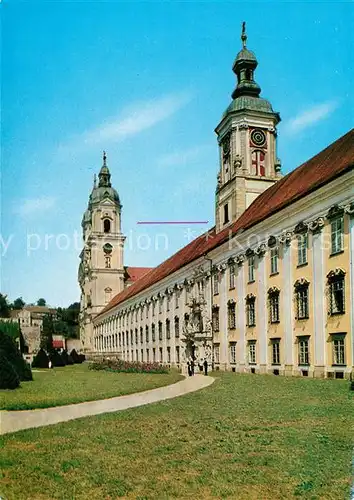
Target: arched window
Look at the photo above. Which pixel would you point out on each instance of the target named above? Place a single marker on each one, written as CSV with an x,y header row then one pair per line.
x,y
107,226
258,163
107,294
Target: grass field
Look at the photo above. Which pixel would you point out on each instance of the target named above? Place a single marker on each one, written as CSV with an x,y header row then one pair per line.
x,y
76,383
244,437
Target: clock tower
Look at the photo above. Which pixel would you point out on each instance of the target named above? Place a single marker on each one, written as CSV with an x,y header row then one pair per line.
x,y
247,143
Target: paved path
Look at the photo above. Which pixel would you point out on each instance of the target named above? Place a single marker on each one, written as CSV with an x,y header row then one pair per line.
x,y
12,421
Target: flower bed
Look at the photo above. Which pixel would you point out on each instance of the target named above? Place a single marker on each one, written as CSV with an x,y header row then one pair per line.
x,y
119,365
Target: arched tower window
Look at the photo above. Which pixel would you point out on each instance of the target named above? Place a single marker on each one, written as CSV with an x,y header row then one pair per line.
x,y
107,226
258,163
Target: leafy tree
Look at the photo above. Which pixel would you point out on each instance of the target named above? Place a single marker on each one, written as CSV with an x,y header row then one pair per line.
x,y
68,360
18,303
47,333
4,307
56,358
8,376
11,329
41,302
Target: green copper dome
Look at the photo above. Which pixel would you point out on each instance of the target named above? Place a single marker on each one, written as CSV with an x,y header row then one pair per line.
x,y
250,103
245,55
102,192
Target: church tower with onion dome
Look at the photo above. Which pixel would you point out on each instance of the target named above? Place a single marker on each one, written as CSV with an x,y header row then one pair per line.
x,y
101,269
247,143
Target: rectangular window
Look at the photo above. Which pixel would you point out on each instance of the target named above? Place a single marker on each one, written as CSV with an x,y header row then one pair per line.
x,y
142,355
251,269
147,333
177,354
337,234
141,312
232,277
216,353
215,318
153,334
160,330
252,352
168,303
274,261
153,308
168,354
177,293
168,329
302,299
177,328
136,335
226,213
232,348
147,311
200,286
274,307
302,243
251,312
154,355
160,351
147,356
160,306
232,316
304,355
276,352
141,335
216,284
339,350
337,296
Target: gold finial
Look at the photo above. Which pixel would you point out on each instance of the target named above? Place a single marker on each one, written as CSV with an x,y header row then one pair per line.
x,y
104,159
243,34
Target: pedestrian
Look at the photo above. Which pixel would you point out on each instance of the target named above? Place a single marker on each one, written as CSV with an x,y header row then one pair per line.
x,y
189,368
49,364
192,367
200,364
205,367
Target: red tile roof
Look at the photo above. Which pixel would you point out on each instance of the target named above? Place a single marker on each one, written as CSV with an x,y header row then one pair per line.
x,y
135,273
57,344
330,163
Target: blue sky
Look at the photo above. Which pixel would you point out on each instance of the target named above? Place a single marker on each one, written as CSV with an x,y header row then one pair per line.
x,y
148,82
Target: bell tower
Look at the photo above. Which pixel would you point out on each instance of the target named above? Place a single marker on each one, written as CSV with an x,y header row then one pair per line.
x,y
101,270
247,143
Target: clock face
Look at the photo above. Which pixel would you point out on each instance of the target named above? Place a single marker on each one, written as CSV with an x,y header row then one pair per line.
x,y
258,137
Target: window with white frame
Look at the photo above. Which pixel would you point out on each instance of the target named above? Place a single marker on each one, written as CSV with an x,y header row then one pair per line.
x,y
147,311
231,276
251,310
160,330
141,335
153,307
231,315
154,355
215,283
303,350
160,305
141,312
136,335
168,329
339,349
302,244
216,353
153,333
200,288
147,356
177,294
177,354
302,300
276,352
232,351
177,327
273,300
168,354
252,352
251,268
274,254
168,299
147,333
337,235
215,319
336,292
161,356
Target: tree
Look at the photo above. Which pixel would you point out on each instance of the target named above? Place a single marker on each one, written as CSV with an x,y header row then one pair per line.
x,y
8,376
18,303
47,333
4,307
41,302
40,360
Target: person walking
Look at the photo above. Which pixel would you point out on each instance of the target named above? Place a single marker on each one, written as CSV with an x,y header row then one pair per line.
x,y
189,368
192,367
205,367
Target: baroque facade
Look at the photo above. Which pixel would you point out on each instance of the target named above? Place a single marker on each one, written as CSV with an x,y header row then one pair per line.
x,y
270,288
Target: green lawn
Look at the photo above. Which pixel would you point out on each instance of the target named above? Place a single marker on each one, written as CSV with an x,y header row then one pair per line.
x,y
244,437
76,383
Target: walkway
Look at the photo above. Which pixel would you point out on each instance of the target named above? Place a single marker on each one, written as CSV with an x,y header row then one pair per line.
x,y
12,421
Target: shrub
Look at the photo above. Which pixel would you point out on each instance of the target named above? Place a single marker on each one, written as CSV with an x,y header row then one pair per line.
x,y
351,387
10,350
56,358
40,360
8,376
68,360
82,358
119,365
75,356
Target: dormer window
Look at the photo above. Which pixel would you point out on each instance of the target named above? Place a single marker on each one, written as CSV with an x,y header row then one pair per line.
x,y
106,226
